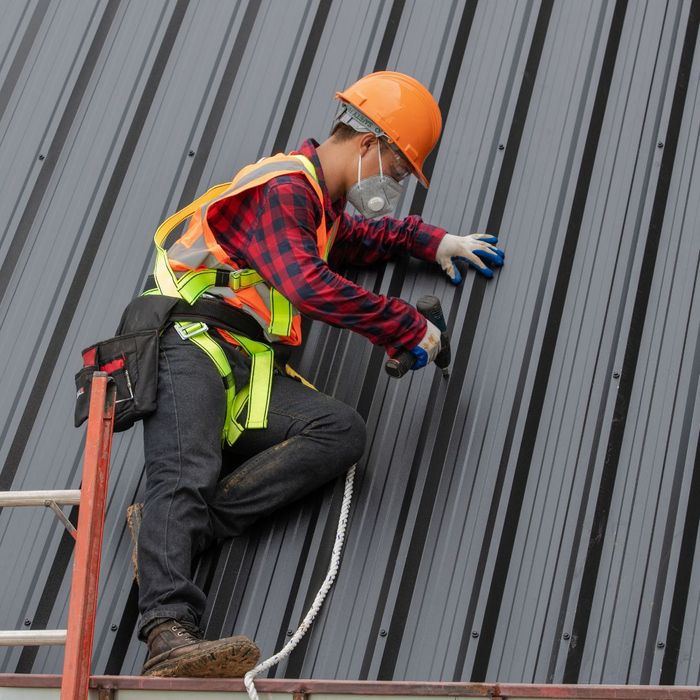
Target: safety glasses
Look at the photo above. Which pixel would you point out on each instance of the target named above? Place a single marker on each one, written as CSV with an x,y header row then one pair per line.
x,y
400,169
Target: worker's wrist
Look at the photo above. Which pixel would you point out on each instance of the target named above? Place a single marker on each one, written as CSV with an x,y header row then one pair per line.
x,y
410,338
425,240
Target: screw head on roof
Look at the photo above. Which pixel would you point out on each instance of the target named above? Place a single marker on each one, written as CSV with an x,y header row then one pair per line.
x,y
382,633
41,156
616,375
660,645
500,146
475,634
114,628
27,622
290,633
660,144
191,154
566,635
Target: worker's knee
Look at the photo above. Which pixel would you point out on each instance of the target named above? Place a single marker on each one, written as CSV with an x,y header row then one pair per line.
x,y
349,433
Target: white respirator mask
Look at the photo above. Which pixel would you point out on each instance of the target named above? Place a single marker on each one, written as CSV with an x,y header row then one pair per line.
x,y
377,195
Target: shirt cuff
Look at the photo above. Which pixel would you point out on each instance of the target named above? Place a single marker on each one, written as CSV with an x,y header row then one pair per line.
x,y
426,241
411,336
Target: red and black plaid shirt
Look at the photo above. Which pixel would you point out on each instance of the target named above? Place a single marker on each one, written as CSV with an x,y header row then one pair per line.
x,y
274,232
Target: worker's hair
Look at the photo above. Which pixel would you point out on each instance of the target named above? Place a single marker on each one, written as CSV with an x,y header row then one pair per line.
x,y
344,132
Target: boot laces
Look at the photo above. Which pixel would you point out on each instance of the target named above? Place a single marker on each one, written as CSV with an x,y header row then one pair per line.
x,y
188,630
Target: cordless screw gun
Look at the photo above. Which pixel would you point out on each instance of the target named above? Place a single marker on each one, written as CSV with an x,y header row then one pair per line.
x,y
430,307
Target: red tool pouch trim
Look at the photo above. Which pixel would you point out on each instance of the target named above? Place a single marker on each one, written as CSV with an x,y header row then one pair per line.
x,y
113,365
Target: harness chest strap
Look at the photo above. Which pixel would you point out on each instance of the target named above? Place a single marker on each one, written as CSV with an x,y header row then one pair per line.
x,y
192,284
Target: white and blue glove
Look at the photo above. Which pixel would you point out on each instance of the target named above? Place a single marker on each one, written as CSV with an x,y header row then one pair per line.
x,y
476,250
429,346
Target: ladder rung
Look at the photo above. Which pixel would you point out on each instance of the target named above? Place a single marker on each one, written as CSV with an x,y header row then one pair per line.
x,y
39,498
32,638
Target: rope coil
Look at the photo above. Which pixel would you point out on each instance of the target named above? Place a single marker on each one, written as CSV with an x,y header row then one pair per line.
x,y
249,679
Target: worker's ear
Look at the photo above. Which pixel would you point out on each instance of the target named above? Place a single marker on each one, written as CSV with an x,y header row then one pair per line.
x,y
367,141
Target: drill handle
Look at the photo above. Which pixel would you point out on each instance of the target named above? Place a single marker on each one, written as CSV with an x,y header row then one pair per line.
x,y
430,307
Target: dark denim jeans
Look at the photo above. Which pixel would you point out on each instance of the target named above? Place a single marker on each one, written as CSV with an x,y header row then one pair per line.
x,y
311,438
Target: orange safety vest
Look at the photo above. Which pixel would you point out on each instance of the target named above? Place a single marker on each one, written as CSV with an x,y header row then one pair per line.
x,y
197,249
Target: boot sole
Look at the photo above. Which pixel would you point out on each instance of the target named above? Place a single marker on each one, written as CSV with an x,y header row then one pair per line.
x,y
232,659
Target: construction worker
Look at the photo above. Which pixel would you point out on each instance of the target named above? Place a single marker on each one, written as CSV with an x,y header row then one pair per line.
x,y
260,250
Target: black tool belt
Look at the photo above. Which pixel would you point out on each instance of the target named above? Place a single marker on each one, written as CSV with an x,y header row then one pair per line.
x,y
154,311
131,357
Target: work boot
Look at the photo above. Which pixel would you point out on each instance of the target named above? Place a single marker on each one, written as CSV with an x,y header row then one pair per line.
x,y
134,515
179,649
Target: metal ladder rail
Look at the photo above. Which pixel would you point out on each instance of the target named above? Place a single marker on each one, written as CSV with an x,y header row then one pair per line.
x,y
92,498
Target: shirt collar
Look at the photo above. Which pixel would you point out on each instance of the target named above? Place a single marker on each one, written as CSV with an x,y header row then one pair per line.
x,y
333,209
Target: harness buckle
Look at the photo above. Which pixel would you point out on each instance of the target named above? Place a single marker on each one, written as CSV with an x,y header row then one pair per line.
x,y
190,330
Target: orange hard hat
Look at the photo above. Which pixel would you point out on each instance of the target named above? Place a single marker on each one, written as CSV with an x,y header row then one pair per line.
x,y
403,109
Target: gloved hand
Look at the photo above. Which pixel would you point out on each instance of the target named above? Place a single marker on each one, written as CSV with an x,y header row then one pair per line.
x,y
429,346
473,250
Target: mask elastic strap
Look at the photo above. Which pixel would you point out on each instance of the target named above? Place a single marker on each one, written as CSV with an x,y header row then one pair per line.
x,y
359,170
379,155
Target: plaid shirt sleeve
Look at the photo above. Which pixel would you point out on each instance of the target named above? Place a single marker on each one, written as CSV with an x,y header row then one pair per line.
x,y
281,246
361,241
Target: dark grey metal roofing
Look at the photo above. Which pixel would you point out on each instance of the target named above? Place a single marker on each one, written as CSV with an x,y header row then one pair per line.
x,y
534,519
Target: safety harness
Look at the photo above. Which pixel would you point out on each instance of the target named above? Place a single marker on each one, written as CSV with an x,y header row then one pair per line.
x,y
196,264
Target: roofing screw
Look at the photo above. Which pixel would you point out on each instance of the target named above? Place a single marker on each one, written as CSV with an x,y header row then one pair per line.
x,y
566,636
660,645
660,144
500,146
27,622
616,375
191,154
382,633
41,157
290,633
475,634
114,628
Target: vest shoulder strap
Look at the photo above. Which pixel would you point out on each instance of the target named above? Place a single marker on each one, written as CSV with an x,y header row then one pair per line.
x,y
268,168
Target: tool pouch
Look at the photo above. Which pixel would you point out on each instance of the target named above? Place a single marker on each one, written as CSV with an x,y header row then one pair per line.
x,y
131,359
132,362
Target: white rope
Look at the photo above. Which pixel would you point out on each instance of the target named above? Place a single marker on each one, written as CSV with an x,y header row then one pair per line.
x,y
249,679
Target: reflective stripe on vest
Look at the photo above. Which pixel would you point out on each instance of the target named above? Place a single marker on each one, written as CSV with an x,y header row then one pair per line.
x,y
196,264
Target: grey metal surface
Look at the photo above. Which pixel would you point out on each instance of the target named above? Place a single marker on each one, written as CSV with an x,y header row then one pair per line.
x,y
534,519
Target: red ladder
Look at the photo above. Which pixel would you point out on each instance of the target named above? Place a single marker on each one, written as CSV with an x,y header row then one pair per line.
x,y
92,498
